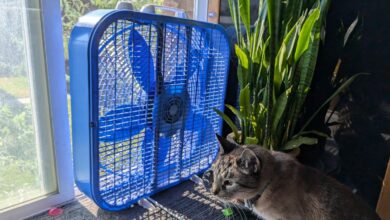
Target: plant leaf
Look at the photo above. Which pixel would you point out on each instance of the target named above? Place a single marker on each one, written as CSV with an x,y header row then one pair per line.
x,y
241,76
245,104
242,56
292,12
340,89
236,19
321,134
305,34
245,14
280,64
304,75
294,143
237,113
234,110
283,56
291,39
350,29
251,140
265,57
280,107
229,122
274,8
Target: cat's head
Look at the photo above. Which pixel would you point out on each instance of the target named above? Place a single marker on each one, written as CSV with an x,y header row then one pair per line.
x,y
235,174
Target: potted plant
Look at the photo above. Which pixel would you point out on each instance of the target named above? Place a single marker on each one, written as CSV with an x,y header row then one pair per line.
x,y
276,62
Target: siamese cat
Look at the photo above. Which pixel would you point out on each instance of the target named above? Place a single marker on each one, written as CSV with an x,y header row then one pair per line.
x,y
273,185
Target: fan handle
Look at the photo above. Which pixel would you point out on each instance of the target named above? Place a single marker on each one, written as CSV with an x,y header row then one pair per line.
x,y
124,5
151,9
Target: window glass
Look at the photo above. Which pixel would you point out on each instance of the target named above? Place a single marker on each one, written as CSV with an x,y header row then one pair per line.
x,y
27,169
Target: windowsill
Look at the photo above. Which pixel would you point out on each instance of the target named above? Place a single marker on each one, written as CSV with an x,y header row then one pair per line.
x,y
185,200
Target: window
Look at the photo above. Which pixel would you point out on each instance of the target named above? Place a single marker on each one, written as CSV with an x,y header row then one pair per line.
x,y
35,153
35,168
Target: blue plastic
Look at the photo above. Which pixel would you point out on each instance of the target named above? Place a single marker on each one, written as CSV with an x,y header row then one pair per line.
x,y
143,91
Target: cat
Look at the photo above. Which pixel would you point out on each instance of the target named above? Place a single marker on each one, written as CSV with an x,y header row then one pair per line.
x,y
273,185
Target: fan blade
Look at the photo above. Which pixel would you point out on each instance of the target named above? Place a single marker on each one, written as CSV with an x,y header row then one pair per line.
x,y
175,59
122,123
200,61
142,162
168,160
141,61
198,141
138,170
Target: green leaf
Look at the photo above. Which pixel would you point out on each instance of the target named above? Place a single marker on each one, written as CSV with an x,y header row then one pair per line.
x,y
291,39
240,76
320,134
251,140
280,107
294,143
245,13
246,110
265,57
280,64
242,57
229,122
292,12
236,19
338,91
274,8
260,26
245,103
305,34
283,56
235,111
304,75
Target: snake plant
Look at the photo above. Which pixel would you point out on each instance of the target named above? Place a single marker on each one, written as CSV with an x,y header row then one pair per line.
x,y
276,62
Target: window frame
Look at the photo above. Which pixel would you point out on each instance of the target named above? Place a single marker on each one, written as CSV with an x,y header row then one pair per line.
x,y
57,93
201,10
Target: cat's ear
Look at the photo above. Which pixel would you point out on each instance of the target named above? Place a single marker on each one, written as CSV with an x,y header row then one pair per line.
x,y
225,146
248,162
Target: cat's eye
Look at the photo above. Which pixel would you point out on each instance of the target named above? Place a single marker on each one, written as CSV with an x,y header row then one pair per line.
x,y
227,183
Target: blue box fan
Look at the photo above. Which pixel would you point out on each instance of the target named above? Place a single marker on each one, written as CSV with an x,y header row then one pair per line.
x,y
143,90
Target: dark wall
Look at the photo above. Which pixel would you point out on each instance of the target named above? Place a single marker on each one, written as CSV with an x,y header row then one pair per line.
x,y
364,110
372,52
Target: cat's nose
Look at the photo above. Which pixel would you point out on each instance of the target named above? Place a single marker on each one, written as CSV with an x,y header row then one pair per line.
x,y
208,179
214,190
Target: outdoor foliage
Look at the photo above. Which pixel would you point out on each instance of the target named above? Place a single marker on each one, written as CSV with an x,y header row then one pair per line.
x,y
19,176
10,57
72,10
18,165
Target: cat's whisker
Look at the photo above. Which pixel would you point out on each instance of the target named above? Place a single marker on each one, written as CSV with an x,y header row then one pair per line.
x,y
234,216
240,211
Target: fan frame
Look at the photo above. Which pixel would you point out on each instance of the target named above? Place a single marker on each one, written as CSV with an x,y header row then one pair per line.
x,y
84,43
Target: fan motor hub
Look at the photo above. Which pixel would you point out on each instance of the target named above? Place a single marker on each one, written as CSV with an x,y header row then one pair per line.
x,y
173,109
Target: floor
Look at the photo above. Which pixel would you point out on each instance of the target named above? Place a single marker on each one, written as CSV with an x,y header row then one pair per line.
x,y
185,201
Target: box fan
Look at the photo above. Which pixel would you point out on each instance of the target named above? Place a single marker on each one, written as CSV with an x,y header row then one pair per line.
x,y
143,90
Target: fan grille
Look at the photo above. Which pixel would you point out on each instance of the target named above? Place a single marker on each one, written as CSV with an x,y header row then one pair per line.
x,y
156,132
